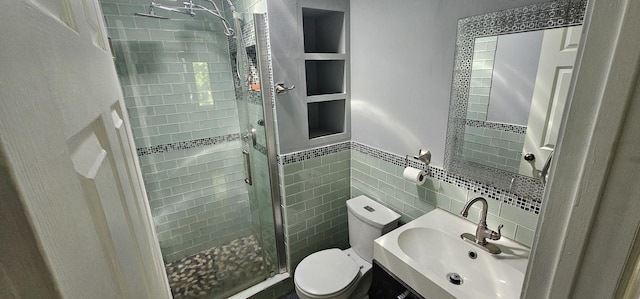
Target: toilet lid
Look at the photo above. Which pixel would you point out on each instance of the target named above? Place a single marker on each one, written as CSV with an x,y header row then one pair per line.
x,y
326,272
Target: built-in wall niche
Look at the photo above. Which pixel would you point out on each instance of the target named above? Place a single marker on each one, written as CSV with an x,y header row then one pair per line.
x,y
325,118
324,77
323,31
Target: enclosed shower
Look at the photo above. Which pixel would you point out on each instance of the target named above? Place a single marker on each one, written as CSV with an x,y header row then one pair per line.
x,y
192,82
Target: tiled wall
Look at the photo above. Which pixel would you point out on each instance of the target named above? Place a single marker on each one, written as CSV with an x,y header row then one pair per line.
x,y
382,181
484,51
251,114
175,74
490,146
315,192
197,197
260,192
316,177
178,88
493,147
251,6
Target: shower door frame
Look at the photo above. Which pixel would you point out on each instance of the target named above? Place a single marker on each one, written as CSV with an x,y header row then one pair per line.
x,y
266,83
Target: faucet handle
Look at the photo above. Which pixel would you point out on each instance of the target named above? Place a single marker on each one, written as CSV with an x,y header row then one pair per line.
x,y
496,235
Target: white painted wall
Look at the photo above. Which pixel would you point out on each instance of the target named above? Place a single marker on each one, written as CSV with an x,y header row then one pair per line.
x,y
405,107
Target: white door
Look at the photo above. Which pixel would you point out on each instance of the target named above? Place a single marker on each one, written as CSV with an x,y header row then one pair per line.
x,y
68,171
555,67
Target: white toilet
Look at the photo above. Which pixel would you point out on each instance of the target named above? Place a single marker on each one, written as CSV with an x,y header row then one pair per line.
x,y
338,274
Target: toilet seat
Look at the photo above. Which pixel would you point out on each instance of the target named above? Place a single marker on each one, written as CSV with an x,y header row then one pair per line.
x,y
325,273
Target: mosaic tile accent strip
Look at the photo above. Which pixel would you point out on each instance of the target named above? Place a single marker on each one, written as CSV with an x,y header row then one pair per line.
x,y
156,149
546,15
529,201
313,153
217,270
497,126
492,192
266,56
250,65
527,18
248,36
254,97
254,77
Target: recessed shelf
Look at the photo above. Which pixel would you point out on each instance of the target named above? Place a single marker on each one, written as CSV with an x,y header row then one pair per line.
x,y
326,97
323,31
325,56
325,118
324,76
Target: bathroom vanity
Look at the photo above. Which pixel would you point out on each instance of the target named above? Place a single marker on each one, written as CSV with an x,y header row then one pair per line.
x,y
429,258
386,285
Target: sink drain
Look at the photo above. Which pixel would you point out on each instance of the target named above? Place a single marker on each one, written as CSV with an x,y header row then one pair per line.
x,y
454,278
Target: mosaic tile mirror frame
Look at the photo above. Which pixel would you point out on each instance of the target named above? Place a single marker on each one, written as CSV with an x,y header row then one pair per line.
x,y
541,16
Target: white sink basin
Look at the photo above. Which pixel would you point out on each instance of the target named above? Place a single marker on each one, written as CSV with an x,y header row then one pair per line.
x,y
424,251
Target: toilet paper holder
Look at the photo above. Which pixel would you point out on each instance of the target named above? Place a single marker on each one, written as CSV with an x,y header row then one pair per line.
x,y
424,155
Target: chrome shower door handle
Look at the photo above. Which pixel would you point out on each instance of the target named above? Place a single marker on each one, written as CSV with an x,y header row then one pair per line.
x,y
247,160
283,89
250,135
545,169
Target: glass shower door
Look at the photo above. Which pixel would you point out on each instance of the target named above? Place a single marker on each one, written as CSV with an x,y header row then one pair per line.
x,y
245,63
177,78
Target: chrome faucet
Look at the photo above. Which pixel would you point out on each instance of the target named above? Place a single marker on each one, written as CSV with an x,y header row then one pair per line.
x,y
482,231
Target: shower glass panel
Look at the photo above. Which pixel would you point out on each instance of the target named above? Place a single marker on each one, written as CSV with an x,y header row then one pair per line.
x,y
252,125
196,113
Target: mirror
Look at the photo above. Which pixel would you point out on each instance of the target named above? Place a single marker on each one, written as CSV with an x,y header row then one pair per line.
x,y
511,77
510,74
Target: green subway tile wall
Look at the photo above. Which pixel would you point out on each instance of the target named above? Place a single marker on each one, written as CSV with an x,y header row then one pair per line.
x,y
175,74
492,147
484,51
315,212
383,182
314,195
198,198
260,192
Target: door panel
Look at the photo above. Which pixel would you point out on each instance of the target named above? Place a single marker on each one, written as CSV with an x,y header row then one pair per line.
x,y
67,147
555,68
96,180
138,210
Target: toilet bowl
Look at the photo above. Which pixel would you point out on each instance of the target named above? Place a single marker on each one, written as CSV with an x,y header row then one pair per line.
x,y
340,274
331,273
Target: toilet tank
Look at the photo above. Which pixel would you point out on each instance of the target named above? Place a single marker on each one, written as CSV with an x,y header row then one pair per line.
x,y
368,220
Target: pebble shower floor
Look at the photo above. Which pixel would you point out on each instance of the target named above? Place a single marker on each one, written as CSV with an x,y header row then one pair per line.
x,y
216,270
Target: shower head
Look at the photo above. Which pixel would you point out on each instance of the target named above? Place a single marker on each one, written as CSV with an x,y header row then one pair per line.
x,y
151,15
189,8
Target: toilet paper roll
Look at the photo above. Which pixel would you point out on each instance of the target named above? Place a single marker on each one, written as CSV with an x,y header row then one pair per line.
x,y
414,175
